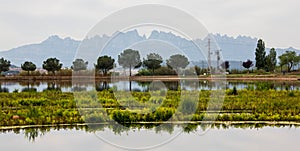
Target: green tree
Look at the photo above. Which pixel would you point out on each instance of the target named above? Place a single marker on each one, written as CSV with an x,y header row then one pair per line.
x,y
104,64
79,64
52,65
260,55
225,65
177,62
290,59
247,64
4,65
153,61
271,60
129,59
198,70
281,64
28,66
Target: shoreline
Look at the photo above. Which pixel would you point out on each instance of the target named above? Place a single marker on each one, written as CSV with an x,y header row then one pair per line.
x,y
228,123
151,78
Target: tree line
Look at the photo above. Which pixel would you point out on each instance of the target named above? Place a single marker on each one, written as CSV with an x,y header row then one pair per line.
x,y
131,59
268,62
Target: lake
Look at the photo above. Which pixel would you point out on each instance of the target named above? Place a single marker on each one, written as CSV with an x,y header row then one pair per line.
x,y
267,138
66,86
157,137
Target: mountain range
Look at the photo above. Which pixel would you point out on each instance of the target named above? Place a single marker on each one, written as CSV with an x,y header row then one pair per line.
x,y
234,49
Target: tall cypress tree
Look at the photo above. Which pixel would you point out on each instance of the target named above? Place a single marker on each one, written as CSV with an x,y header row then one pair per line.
x,y
260,55
271,60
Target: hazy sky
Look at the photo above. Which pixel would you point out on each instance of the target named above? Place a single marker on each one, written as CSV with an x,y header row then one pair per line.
x,y
31,21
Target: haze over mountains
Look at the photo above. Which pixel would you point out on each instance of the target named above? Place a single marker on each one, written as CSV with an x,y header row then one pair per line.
x,y
233,49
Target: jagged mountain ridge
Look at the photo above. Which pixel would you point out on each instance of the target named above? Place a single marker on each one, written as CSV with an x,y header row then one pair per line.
x,y
235,49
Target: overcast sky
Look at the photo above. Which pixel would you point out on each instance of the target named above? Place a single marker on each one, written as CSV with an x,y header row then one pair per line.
x,y
31,21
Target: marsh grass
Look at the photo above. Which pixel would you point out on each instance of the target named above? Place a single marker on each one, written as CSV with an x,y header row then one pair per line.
x,y
56,107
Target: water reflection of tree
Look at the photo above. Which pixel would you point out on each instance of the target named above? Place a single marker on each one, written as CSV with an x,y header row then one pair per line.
x,y
29,83
190,128
102,85
144,85
78,88
170,85
266,85
3,89
64,84
28,89
52,86
119,129
95,127
33,133
165,127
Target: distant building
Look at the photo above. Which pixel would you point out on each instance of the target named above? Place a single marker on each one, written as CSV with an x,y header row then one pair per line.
x,y
41,71
11,73
13,70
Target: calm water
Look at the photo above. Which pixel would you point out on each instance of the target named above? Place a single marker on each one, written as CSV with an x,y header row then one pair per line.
x,y
230,139
170,138
141,86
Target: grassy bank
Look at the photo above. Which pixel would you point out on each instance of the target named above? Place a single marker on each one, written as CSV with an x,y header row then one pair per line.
x,y
55,107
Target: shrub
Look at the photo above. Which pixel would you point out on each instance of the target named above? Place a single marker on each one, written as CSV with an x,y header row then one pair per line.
x,y
250,87
233,91
164,71
31,73
291,94
260,72
188,106
265,86
237,71
64,72
143,72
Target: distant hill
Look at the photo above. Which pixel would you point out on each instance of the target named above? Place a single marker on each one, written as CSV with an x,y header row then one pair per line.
x,y
235,49
54,46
